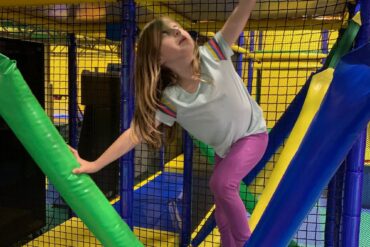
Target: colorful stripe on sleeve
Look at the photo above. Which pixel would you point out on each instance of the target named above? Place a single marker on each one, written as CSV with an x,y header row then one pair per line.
x,y
214,48
167,107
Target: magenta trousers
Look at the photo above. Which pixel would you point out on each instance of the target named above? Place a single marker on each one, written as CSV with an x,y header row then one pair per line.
x,y
231,215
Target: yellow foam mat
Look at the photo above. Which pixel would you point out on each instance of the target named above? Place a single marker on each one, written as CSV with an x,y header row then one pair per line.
x,y
70,233
74,233
176,165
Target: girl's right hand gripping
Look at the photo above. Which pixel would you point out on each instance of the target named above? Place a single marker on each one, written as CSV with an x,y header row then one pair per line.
x,y
85,166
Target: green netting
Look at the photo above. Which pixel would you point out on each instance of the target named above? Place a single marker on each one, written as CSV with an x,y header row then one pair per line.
x,y
364,227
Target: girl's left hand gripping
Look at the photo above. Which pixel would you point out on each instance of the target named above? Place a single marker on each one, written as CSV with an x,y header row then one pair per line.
x,y
86,166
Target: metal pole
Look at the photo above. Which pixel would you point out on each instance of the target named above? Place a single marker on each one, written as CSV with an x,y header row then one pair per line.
x,y
72,90
250,62
239,65
127,107
187,184
259,70
353,194
355,159
334,208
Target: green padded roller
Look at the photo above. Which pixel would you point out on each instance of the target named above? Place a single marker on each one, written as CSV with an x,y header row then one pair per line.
x,y
33,128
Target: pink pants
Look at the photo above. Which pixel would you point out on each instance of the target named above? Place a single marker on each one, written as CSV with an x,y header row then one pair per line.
x,y
231,215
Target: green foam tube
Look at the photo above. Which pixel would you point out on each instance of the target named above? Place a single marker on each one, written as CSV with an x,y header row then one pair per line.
x,y
33,128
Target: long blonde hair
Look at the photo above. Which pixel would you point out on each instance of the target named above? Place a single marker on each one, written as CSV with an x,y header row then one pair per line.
x,y
151,79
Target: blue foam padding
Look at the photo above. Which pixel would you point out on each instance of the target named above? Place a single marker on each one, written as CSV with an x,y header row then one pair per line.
x,y
157,205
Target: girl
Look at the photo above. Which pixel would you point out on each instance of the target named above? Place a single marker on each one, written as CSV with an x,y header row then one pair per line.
x,y
175,81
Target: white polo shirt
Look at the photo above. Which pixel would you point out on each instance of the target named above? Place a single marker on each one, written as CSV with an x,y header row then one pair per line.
x,y
221,111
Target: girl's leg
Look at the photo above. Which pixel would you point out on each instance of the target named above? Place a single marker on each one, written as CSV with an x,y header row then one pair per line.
x,y
227,238
231,214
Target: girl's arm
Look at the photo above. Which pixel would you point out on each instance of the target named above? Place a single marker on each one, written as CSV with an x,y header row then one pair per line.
x,y
121,146
124,143
236,22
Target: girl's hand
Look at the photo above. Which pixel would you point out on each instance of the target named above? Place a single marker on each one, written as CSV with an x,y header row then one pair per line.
x,y
86,166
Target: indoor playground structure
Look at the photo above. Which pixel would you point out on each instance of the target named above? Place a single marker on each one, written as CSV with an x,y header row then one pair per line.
x,y
66,78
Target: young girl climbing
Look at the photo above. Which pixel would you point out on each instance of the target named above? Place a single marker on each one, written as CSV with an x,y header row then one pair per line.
x,y
197,87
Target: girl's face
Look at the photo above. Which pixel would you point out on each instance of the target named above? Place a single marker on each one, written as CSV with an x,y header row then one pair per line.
x,y
177,45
